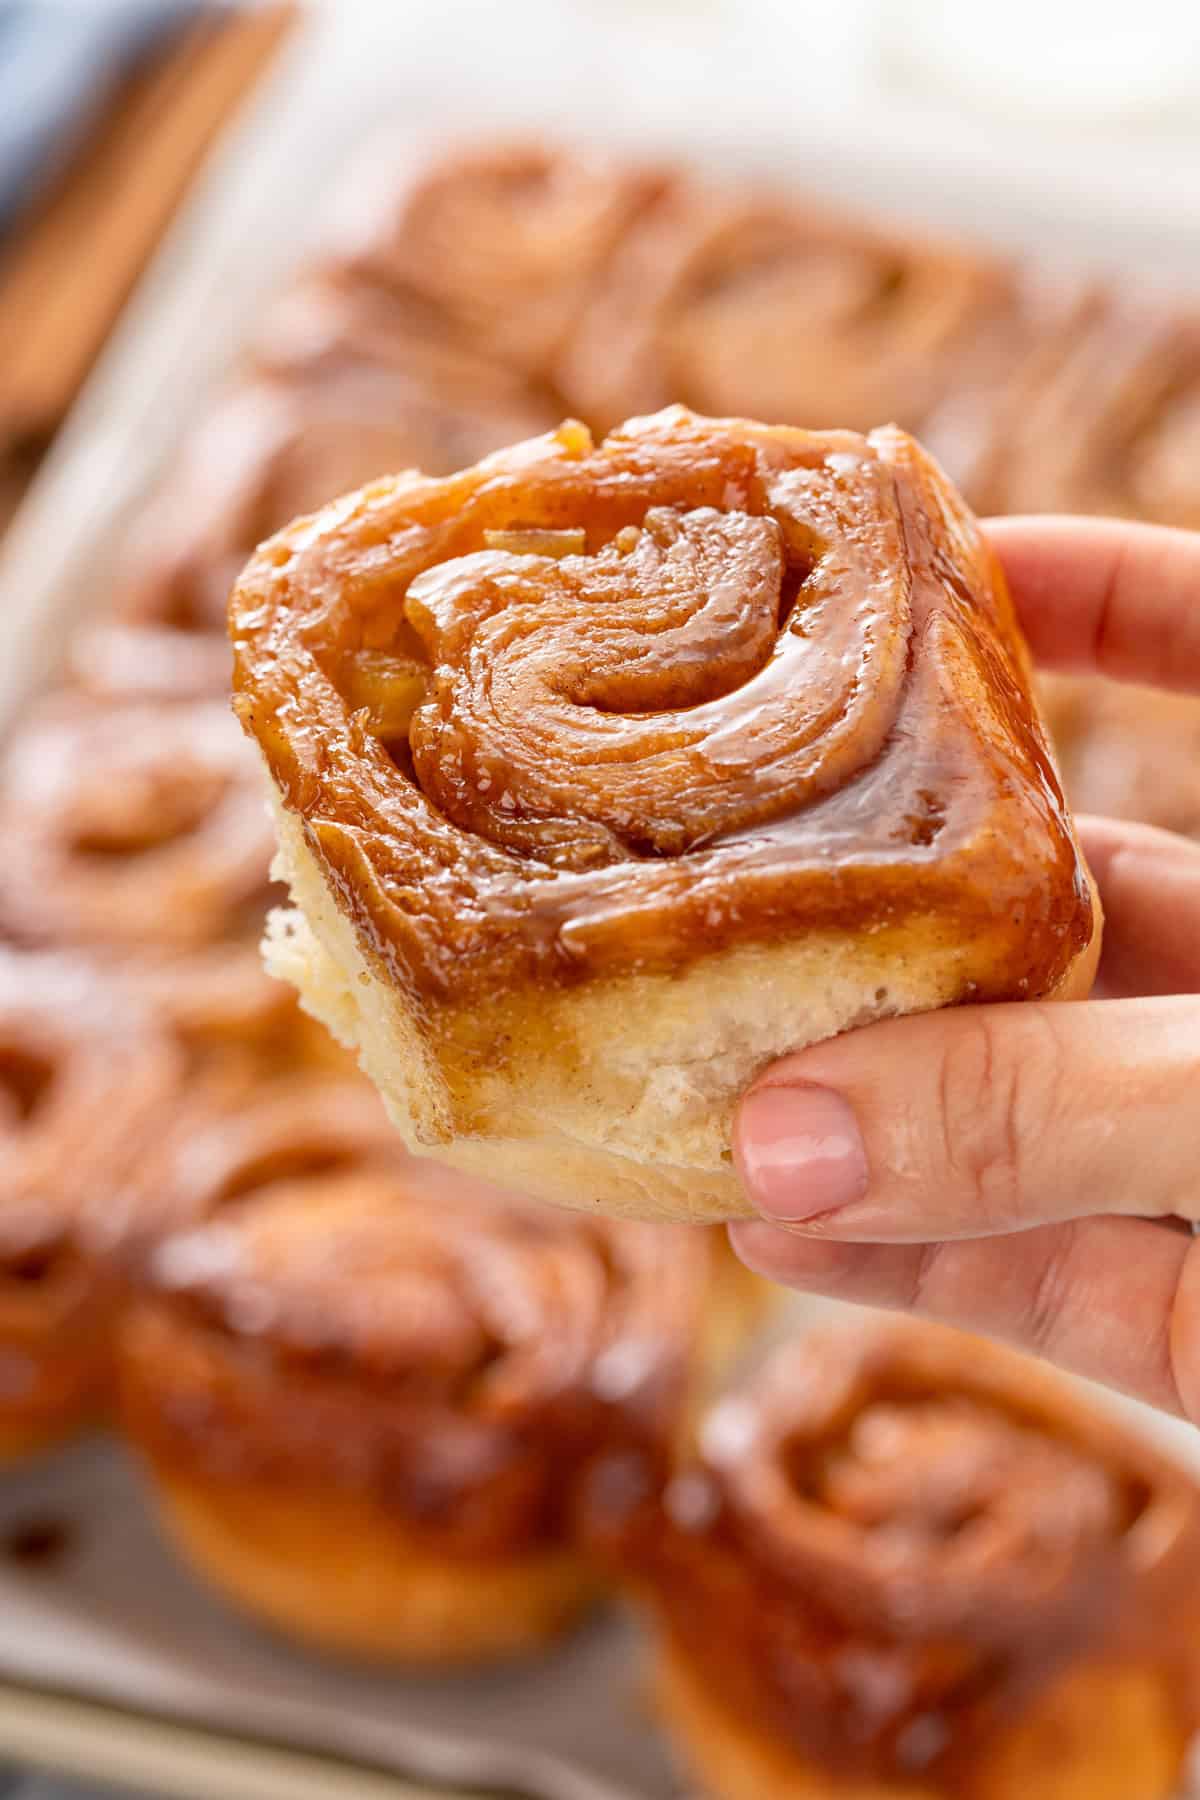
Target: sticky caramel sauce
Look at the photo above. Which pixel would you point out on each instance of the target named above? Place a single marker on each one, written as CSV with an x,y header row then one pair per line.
x,y
779,688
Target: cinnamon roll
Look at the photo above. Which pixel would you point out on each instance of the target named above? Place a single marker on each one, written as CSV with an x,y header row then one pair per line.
x,y
748,304
909,1563
1126,751
498,246
1102,417
133,826
365,1398
606,774
84,1082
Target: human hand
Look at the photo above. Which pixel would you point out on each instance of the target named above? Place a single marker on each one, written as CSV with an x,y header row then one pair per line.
x,y
1017,1169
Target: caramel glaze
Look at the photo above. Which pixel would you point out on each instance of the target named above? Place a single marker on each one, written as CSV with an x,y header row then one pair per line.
x,y
453,1356
131,825
896,1538
84,1082
781,688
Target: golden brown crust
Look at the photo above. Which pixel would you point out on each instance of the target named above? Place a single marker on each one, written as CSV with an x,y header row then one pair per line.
x,y
1101,1732
897,1544
540,817
139,825
84,1084
339,1573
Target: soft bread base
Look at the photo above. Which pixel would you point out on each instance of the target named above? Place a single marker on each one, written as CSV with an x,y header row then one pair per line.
x,y
1102,1732
339,1574
616,1095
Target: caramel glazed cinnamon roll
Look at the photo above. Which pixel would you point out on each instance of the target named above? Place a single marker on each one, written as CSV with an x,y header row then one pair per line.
x,y
365,1394
909,1564
605,774
137,833
133,825
85,1082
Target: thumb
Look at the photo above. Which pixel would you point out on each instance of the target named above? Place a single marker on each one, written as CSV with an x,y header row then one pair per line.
x,y
980,1120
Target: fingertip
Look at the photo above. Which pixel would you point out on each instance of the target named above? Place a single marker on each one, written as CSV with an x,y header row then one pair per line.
x,y
790,1258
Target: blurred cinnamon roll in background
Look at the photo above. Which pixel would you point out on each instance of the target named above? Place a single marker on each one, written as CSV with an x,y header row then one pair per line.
x,y
233,1021
499,245
607,773
86,1084
1102,416
133,825
244,1136
907,1562
1126,751
760,307
366,1394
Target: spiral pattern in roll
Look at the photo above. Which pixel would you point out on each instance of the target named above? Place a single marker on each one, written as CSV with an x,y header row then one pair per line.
x,y
582,707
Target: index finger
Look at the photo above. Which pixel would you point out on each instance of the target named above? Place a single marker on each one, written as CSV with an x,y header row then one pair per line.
x,y
1107,595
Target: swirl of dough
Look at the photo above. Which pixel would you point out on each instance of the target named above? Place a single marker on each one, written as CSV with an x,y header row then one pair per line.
x,y
697,676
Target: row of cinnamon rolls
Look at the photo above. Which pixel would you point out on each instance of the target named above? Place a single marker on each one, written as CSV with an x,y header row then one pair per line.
x,y
395,1416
